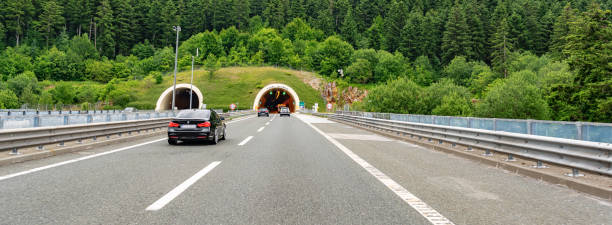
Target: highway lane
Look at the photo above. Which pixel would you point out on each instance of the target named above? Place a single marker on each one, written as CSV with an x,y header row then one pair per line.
x,y
286,173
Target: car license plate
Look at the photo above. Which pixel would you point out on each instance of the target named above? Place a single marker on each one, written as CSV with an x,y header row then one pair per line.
x,y
188,126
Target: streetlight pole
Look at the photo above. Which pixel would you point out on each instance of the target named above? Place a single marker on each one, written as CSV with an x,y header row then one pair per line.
x,y
191,88
177,29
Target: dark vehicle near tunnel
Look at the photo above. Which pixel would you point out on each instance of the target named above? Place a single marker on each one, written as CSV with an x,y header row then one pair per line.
x,y
195,125
284,111
263,112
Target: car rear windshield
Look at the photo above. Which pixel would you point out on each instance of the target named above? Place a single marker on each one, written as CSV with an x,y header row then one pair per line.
x,y
284,109
263,110
194,114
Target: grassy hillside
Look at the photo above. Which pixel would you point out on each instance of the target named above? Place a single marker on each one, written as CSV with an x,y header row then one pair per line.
x,y
236,85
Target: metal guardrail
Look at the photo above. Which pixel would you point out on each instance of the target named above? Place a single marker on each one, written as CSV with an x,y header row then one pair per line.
x,y
15,139
586,131
590,156
38,137
74,117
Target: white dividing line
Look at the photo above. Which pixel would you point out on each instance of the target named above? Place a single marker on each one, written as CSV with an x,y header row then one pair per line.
x,y
433,216
267,123
260,129
245,141
238,120
75,160
157,205
273,116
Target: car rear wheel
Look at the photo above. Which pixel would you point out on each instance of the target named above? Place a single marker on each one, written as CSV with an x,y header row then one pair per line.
x,y
172,142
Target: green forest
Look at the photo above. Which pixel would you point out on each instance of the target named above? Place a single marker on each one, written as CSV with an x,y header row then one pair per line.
x,y
537,59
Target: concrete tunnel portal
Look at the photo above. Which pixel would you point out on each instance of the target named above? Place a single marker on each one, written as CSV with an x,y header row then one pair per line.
x,y
274,96
182,98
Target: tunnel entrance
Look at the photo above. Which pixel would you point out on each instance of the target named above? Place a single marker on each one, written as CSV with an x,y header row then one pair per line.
x,y
275,96
182,98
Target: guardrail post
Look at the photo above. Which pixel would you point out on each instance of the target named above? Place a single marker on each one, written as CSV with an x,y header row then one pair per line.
x,y
579,130
66,122
494,124
89,118
488,153
510,158
8,113
108,117
469,149
529,128
14,151
539,165
36,121
40,147
575,173
1,123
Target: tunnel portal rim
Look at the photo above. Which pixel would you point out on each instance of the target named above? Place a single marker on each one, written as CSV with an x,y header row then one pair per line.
x,y
168,92
268,87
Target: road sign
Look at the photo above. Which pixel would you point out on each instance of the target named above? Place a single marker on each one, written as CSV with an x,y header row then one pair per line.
x,y
329,106
233,106
302,105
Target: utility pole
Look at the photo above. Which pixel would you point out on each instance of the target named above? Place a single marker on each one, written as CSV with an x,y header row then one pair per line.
x,y
191,88
177,29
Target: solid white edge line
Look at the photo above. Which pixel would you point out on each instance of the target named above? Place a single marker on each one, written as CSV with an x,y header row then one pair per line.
x,y
260,129
245,141
75,160
433,216
160,203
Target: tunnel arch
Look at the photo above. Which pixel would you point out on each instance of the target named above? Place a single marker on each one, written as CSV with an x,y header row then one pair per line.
x,y
164,102
292,103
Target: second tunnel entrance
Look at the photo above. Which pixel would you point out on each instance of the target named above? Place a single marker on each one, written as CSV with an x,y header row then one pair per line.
x,y
275,96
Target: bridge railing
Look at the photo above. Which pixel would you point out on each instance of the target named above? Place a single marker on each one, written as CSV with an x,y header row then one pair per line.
x,y
585,131
576,154
65,118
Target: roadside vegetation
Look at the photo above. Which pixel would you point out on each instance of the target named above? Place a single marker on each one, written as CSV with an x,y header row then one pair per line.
x,y
538,59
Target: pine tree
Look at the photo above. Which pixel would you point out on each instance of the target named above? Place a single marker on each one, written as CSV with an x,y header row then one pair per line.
x,y
153,21
477,37
240,13
276,13
297,9
561,29
455,41
16,14
168,19
105,42
349,28
221,14
502,47
374,34
50,19
366,12
394,24
123,25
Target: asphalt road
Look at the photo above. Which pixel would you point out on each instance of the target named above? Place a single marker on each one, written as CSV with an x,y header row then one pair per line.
x,y
284,173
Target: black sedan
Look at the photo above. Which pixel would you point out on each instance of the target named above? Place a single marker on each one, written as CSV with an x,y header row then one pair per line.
x,y
263,112
196,125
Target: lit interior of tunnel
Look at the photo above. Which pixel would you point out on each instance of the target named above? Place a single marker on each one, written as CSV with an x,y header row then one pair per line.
x,y
275,98
182,98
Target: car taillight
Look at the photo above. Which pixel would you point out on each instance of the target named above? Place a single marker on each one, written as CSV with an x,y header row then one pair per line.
x,y
205,124
173,124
